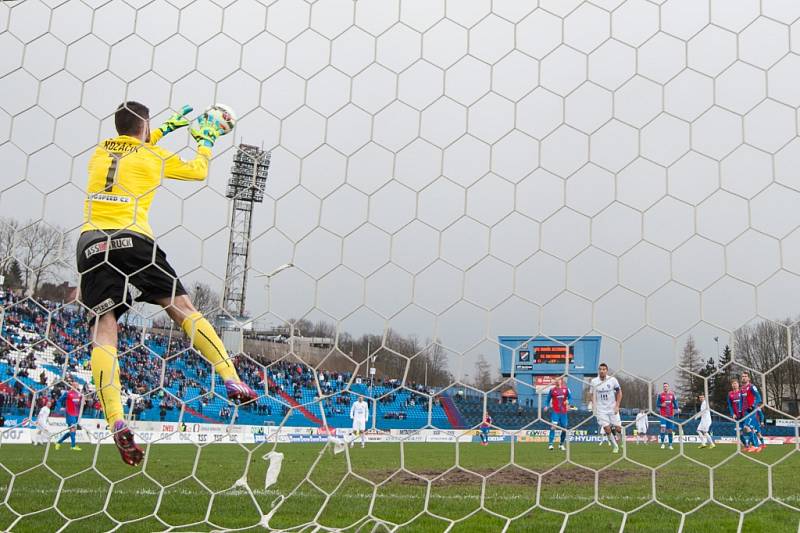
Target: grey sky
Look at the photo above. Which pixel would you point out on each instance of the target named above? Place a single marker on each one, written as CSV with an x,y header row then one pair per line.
x,y
627,168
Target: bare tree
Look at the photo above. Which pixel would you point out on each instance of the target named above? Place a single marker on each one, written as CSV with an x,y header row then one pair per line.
x,y
41,250
9,228
720,382
765,348
205,299
429,366
9,266
690,382
484,378
436,358
636,393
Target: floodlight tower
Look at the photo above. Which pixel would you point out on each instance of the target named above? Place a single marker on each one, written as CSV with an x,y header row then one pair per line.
x,y
246,188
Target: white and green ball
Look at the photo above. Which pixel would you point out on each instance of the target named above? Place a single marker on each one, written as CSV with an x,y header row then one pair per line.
x,y
223,115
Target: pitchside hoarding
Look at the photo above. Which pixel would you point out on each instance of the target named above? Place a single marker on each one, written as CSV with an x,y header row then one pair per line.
x,y
94,431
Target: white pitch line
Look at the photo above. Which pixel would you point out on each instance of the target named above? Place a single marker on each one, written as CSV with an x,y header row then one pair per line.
x,y
237,492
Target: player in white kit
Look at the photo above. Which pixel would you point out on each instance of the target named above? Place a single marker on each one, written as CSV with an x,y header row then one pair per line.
x,y
42,434
642,424
704,427
359,413
607,395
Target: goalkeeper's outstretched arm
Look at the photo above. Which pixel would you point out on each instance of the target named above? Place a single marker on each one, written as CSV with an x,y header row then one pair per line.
x,y
205,133
176,121
176,168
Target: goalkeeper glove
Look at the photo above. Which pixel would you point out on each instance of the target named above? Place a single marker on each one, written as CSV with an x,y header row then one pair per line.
x,y
206,131
178,120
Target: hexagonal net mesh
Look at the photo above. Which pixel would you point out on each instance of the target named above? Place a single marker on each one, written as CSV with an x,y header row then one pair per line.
x,y
465,201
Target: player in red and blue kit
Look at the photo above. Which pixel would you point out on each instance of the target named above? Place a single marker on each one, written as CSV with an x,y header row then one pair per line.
x,y
559,398
667,404
70,401
752,409
737,408
485,426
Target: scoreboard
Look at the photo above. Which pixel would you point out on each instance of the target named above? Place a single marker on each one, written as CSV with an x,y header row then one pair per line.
x,y
558,354
536,361
546,355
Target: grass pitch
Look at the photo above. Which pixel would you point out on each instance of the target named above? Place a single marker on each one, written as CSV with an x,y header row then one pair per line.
x,y
416,487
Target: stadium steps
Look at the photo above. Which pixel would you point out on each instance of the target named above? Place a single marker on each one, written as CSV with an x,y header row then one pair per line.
x,y
452,413
203,417
291,401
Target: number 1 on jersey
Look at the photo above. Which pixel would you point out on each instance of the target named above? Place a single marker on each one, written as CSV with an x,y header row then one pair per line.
x,y
112,172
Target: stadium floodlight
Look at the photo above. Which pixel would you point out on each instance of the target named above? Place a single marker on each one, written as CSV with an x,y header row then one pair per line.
x,y
246,188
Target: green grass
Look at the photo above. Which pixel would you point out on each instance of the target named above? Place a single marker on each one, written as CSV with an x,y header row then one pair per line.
x,y
418,487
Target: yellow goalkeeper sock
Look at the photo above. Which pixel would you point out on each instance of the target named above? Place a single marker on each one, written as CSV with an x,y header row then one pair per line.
x,y
105,371
206,341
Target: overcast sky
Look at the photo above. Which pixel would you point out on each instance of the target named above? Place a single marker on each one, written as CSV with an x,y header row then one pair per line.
x,y
459,171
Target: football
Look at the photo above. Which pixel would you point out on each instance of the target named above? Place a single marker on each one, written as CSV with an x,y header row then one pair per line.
x,y
224,115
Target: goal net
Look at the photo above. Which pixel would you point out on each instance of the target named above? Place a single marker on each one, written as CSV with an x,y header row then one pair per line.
x,y
453,211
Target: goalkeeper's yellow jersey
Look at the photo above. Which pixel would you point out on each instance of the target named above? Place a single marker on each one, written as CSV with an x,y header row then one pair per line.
x,y
124,173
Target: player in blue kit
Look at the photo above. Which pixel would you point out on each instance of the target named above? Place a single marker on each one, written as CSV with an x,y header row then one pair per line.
x,y
667,404
737,402
71,402
559,397
485,427
752,407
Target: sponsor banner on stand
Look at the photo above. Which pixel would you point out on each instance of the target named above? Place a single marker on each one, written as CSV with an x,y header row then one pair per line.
x,y
95,431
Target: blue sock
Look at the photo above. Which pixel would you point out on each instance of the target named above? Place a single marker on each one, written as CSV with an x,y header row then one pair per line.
x,y
72,438
563,437
670,439
661,438
63,438
743,438
551,436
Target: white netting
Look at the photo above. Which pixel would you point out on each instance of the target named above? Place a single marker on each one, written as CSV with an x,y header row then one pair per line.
x,y
442,174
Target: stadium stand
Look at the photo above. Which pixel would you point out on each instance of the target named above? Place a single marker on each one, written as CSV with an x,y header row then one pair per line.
x,y
45,341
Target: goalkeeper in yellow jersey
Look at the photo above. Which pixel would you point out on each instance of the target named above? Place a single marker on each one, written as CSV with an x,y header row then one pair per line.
x,y
116,248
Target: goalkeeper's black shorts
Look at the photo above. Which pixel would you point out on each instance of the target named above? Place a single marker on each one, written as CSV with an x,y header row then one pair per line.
x,y
109,263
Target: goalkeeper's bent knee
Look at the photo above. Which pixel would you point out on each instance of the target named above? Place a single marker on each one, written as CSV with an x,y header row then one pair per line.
x,y
206,341
105,372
